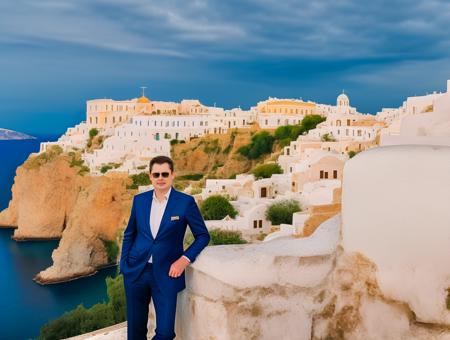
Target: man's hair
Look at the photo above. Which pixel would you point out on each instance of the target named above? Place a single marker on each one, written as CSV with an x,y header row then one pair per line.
x,y
161,160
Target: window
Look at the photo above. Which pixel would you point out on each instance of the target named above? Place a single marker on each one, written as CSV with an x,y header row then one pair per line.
x,y
260,224
334,173
255,224
326,174
321,173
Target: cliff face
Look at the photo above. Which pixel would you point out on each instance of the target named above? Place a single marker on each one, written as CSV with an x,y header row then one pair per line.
x,y
216,155
52,201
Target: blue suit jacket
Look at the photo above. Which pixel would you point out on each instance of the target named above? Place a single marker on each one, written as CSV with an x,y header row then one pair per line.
x,y
167,247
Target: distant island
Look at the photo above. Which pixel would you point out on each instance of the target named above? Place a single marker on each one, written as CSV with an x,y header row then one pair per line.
x,y
6,134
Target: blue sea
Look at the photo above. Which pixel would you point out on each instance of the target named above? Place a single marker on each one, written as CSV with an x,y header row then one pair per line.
x,y
25,305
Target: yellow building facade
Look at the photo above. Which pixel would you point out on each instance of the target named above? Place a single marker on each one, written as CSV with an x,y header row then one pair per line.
x,y
286,106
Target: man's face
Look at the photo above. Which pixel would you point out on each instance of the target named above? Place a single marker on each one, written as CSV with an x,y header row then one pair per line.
x,y
161,176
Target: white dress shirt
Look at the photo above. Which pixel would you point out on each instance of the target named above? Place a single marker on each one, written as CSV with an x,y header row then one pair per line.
x,y
156,214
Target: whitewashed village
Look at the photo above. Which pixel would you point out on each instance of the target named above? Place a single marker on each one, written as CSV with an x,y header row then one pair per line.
x,y
370,245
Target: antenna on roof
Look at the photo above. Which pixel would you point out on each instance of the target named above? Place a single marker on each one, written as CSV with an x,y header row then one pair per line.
x,y
143,90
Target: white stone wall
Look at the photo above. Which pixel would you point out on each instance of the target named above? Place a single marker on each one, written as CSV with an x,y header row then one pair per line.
x,y
395,211
272,121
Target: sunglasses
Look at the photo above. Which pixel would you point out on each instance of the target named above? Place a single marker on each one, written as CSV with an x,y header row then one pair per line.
x,y
163,174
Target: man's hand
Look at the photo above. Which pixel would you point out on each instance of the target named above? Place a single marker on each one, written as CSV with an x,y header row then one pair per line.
x,y
177,268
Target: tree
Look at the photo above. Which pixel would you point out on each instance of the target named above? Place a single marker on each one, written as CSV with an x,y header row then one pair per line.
x,y
327,138
261,143
216,207
310,122
352,153
283,132
82,320
93,132
282,211
116,296
139,179
267,170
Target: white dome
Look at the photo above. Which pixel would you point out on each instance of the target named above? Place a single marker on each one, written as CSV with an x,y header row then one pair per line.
x,y
342,100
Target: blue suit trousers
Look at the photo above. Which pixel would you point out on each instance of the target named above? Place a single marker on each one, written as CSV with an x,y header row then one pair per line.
x,y
139,294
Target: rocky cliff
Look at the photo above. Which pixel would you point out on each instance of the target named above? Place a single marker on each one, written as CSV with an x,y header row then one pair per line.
x,y
50,199
216,155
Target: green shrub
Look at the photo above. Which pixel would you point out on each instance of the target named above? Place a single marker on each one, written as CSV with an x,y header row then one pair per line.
x,y
267,170
191,177
352,153
281,212
45,157
82,320
139,179
211,146
216,207
174,141
196,191
218,237
92,133
76,162
261,236
327,138
112,250
180,185
227,149
310,122
105,168
287,133
83,170
261,143
141,167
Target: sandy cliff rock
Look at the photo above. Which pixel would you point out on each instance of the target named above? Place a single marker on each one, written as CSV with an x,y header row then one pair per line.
x,y
203,155
53,201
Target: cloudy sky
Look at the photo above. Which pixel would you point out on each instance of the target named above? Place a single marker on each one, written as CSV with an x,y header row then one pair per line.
x,y
56,54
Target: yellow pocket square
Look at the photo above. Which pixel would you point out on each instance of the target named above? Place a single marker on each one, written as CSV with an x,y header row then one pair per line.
x,y
174,218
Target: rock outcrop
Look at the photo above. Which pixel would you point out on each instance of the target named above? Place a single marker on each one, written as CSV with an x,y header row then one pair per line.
x,y
216,154
52,200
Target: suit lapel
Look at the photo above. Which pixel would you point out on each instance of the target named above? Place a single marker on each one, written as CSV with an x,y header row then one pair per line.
x,y
146,210
167,213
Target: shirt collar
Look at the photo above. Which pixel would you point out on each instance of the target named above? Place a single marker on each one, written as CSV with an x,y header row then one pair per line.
x,y
166,195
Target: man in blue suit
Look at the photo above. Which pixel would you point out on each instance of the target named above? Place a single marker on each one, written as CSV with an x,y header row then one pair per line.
x,y
153,260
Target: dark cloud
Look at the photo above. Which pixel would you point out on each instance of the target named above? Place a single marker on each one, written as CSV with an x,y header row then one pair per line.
x,y
230,52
